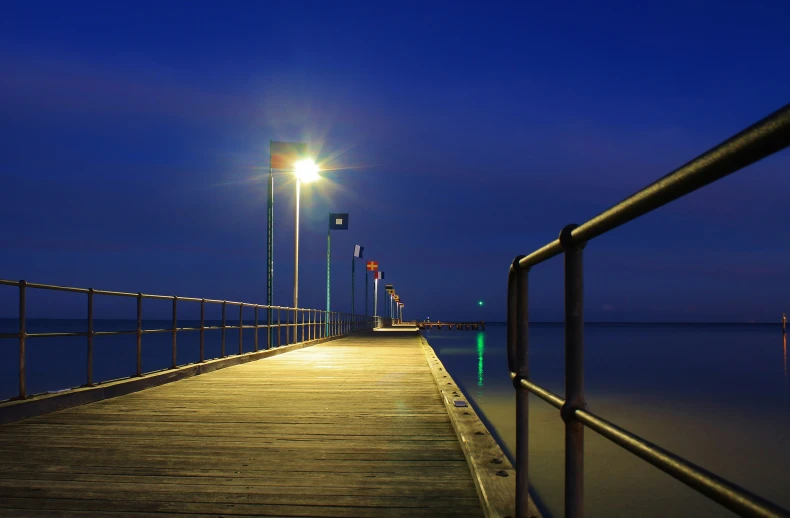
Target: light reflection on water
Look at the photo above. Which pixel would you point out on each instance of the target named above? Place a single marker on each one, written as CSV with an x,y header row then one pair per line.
x,y
481,349
716,395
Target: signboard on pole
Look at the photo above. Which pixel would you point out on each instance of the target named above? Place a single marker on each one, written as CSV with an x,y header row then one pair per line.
x,y
284,155
338,221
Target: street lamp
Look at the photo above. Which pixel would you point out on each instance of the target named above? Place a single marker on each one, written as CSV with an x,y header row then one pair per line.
x,y
305,171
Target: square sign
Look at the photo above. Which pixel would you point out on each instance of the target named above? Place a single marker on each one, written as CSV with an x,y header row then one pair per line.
x,y
338,221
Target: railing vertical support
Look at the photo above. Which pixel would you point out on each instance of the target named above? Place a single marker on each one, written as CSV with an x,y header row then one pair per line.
x,y
574,373
89,381
174,360
269,327
278,326
518,364
241,329
202,330
139,334
256,328
22,338
222,351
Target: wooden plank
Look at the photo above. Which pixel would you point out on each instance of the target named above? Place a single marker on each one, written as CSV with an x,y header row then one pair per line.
x,y
352,427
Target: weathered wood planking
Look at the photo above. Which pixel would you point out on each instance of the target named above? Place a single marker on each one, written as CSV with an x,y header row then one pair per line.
x,y
353,427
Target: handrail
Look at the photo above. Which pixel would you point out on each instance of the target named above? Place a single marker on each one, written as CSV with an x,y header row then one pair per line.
x,y
751,145
310,323
754,143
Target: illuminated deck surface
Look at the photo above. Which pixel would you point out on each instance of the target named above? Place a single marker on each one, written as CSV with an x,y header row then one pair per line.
x,y
352,427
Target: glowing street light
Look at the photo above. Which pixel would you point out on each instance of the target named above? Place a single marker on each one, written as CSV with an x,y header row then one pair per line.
x,y
306,171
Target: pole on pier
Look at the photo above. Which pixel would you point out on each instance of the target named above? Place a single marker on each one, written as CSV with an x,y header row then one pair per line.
x,y
366,293
353,275
574,374
327,278
376,297
269,247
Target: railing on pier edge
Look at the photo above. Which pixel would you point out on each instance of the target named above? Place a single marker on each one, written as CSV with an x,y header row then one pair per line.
x,y
312,324
756,142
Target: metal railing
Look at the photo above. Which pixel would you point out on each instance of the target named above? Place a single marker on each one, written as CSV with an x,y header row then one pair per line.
x,y
297,324
756,142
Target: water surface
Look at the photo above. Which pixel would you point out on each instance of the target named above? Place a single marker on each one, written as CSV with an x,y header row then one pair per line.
x,y
714,394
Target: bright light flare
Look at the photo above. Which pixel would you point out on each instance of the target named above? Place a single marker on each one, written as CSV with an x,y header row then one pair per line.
x,y
306,171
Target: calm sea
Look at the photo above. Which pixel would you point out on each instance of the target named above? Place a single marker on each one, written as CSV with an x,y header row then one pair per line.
x,y
715,394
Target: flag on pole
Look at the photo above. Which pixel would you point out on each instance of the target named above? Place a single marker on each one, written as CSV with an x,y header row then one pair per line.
x,y
285,154
358,251
380,275
373,266
338,221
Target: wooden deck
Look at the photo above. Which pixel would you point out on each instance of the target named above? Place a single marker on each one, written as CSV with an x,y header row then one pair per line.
x,y
352,427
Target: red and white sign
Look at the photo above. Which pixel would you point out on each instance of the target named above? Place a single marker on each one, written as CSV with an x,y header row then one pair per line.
x,y
373,266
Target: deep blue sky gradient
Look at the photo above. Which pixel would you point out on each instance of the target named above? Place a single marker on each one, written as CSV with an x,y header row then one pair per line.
x,y
133,140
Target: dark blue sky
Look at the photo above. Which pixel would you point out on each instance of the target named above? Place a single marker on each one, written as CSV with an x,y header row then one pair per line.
x,y
133,142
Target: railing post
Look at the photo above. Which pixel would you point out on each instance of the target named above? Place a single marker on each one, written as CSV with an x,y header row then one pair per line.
x,y
287,327
278,326
241,328
174,361
574,374
269,327
202,330
256,328
89,381
518,365
22,338
139,334
222,350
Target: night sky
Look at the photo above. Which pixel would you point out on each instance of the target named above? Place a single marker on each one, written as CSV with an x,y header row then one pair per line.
x,y
134,141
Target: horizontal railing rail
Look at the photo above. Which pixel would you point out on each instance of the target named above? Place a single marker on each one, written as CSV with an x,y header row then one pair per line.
x,y
756,142
298,325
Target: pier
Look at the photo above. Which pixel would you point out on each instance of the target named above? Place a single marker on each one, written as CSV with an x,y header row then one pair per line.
x,y
341,416
368,424
460,326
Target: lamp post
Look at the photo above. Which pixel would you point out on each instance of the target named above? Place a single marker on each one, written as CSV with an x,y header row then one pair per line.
x,y
337,221
283,157
304,171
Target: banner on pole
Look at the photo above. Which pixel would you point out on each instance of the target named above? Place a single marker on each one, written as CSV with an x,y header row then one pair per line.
x,y
338,221
373,266
358,251
285,154
380,275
